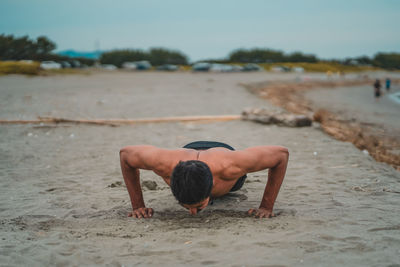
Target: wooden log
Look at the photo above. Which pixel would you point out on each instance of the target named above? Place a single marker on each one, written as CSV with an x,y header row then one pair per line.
x,y
265,116
114,122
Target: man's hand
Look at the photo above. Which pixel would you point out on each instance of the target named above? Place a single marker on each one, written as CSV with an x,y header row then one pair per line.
x,y
261,213
141,213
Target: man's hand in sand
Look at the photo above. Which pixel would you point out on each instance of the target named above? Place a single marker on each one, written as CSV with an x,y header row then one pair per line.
x,y
261,213
141,213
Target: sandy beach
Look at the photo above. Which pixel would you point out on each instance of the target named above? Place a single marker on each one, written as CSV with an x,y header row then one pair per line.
x,y
63,202
358,103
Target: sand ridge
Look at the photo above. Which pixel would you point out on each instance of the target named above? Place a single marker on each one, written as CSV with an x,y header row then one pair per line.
x,y
348,118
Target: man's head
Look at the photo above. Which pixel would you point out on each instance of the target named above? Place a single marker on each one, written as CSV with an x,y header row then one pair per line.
x,y
191,183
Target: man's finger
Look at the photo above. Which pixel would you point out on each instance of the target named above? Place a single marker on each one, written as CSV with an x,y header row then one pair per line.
x,y
250,211
130,214
149,212
143,213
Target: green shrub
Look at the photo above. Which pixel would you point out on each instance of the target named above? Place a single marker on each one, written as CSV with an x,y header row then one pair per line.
x,y
156,56
17,67
322,66
387,60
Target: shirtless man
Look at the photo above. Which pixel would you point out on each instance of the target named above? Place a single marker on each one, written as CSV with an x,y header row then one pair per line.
x,y
203,170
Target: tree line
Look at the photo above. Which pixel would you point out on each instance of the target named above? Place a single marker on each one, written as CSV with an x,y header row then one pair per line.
x,y
23,48
41,49
381,60
257,55
156,56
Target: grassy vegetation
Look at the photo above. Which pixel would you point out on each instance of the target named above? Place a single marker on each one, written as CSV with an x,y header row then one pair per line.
x,y
17,67
319,66
65,71
185,67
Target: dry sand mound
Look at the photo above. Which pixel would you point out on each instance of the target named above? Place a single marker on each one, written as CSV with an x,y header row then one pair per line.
x,y
365,136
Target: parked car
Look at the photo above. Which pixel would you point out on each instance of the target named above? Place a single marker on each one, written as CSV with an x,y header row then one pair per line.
x,y
298,69
65,64
108,67
252,67
280,69
48,65
221,67
201,66
215,67
129,65
142,65
75,64
168,67
237,68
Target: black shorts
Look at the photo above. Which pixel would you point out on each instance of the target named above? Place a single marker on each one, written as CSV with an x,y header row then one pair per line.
x,y
204,145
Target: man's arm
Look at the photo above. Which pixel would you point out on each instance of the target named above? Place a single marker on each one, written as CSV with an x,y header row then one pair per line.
x,y
132,159
274,158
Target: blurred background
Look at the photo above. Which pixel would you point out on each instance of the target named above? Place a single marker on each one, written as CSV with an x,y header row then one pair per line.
x,y
177,32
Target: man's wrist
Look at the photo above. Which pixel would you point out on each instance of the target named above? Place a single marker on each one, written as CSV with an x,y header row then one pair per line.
x,y
138,206
266,207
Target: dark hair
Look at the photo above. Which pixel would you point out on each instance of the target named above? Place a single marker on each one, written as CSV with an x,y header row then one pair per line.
x,y
191,181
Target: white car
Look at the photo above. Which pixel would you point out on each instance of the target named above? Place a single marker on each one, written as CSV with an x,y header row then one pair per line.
x,y
298,69
129,65
221,68
201,66
142,65
50,65
108,67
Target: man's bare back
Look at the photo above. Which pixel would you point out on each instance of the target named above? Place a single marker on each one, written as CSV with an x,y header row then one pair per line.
x,y
226,167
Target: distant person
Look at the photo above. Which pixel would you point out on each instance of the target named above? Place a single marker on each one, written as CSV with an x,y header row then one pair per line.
x,y
388,82
377,86
202,171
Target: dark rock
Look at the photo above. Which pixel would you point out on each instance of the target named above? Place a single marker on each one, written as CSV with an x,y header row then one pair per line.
x,y
151,185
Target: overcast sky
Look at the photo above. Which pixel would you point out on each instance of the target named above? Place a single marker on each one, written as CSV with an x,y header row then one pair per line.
x,y
210,28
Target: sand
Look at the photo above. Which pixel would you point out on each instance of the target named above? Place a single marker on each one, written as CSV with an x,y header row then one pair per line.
x,y
358,103
62,201
346,110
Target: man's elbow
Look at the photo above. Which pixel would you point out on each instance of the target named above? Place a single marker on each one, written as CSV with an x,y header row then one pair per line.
x,y
284,154
129,156
124,152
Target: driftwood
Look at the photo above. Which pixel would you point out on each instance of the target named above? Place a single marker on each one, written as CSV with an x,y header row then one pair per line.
x,y
115,122
280,118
